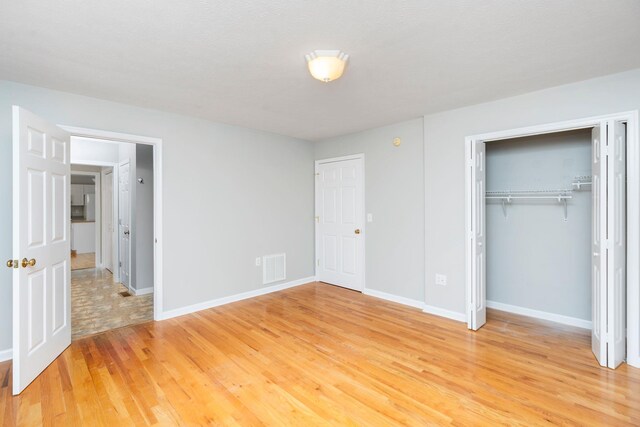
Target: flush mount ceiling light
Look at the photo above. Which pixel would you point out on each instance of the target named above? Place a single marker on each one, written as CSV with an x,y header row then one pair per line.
x,y
326,65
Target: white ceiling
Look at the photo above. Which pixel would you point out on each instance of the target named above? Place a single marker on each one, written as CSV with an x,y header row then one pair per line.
x,y
242,61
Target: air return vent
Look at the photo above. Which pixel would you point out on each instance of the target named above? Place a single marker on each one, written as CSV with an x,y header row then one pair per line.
x,y
274,268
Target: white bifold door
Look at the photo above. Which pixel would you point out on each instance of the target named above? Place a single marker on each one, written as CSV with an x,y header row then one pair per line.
x,y
124,224
41,245
608,335
339,221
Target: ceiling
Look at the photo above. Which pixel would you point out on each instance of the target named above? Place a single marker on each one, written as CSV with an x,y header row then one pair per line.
x,y
242,62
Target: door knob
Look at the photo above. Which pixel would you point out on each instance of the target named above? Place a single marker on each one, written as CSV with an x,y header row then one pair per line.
x,y
126,233
28,262
357,231
12,263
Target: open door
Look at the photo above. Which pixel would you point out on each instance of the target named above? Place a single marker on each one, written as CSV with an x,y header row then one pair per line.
x,y
617,253
478,309
41,246
598,245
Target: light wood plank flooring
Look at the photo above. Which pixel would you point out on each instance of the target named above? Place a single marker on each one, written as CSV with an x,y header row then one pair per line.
x,y
322,355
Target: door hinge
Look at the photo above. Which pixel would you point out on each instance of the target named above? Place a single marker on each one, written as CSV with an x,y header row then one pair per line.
x,y
318,263
119,263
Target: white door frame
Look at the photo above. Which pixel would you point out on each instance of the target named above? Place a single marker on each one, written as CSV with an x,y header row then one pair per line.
x,y
156,143
98,194
103,181
363,263
633,211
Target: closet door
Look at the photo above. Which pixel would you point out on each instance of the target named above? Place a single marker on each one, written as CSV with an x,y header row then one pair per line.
x,y
599,239
616,268
478,245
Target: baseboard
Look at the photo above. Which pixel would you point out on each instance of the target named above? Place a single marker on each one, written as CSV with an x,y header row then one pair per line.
x,y
233,298
544,315
437,311
142,291
394,298
6,355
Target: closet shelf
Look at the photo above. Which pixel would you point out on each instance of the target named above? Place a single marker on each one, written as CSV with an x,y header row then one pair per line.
x,y
561,196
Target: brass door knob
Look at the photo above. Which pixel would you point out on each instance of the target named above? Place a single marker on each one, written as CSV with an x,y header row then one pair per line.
x,y
10,263
28,262
357,231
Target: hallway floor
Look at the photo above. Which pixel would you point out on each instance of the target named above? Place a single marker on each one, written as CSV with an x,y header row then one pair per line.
x,y
82,261
97,306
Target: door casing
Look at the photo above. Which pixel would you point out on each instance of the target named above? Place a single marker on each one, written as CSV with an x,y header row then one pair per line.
x,y
633,211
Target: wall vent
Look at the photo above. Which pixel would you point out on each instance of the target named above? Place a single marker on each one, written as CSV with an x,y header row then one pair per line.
x,y
274,268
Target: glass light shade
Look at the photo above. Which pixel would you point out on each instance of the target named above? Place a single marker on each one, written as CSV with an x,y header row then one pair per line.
x,y
326,65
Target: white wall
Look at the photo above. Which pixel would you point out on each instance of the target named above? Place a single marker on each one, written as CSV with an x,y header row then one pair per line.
x,y
536,259
88,149
144,217
444,155
230,194
394,194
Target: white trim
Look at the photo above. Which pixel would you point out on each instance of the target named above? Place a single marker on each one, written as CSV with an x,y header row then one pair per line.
x,y
394,298
6,355
142,291
168,314
544,315
633,210
437,311
114,137
363,220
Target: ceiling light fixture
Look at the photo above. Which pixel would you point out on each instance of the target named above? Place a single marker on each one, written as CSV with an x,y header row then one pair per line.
x,y
326,65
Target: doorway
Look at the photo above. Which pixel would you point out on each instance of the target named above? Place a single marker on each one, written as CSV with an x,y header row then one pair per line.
x,y
340,231
615,305
42,281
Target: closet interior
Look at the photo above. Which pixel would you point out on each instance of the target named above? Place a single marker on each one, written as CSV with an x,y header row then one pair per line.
x,y
538,225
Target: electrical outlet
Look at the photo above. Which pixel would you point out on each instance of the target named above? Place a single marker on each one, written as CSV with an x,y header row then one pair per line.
x,y
441,280
258,262
369,217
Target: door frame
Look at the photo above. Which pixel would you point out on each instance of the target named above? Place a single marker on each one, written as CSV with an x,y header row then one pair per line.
x,y
156,143
633,211
98,193
363,228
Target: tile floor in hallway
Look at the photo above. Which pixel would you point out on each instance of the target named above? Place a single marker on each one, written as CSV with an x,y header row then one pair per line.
x,y
97,306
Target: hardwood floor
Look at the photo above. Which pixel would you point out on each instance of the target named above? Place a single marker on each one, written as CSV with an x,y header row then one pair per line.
x,y
317,355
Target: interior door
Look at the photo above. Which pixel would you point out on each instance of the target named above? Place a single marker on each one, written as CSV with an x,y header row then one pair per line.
x,y
41,245
599,239
339,217
616,260
124,223
107,220
478,309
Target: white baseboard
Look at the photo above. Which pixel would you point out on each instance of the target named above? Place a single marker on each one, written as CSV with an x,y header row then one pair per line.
x,y
437,311
142,291
394,298
232,298
6,355
544,315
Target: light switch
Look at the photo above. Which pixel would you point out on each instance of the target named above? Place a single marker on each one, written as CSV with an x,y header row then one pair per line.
x,y
441,280
369,217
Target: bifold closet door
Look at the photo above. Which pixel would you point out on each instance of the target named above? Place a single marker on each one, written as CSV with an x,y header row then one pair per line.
x,y
478,309
616,260
608,335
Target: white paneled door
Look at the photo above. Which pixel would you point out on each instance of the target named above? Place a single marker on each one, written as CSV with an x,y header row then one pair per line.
x,y
598,244
340,223
124,223
41,246
478,312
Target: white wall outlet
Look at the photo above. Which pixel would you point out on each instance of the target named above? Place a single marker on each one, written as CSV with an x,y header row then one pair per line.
x,y
369,217
258,261
441,280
